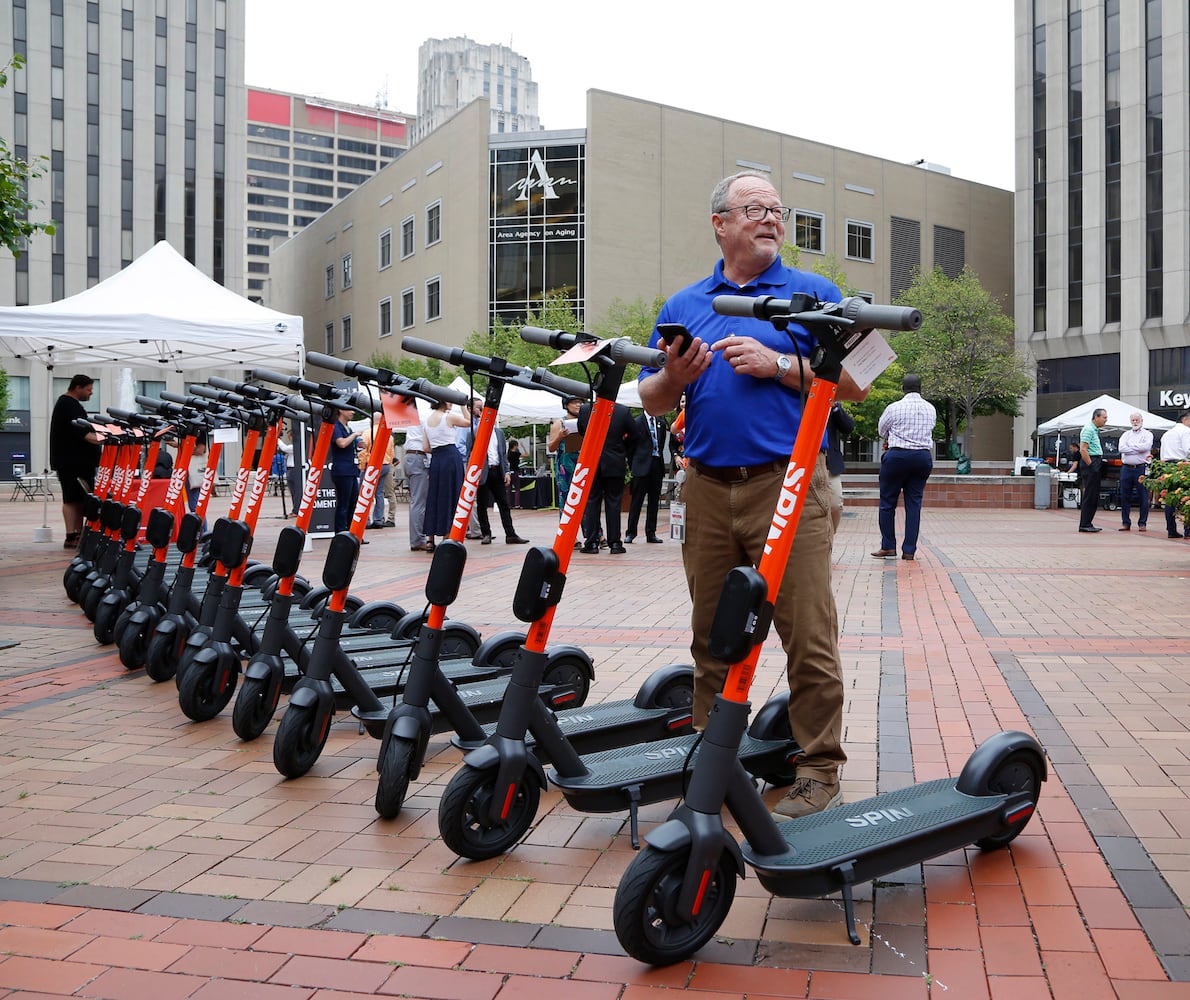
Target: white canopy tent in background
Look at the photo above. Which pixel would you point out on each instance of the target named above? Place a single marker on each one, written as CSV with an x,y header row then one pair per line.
x,y
159,313
159,316
1118,414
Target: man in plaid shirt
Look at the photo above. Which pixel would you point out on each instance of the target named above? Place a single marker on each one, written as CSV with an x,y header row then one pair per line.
x,y
908,427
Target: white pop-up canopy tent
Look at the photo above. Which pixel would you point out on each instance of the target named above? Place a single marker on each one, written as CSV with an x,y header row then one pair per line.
x,y
1118,414
159,312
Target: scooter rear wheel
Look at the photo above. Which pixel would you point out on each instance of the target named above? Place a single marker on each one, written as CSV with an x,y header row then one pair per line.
x,y
1019,771
458,643
298,742
568,671
252,712
644,911
396,768
463,810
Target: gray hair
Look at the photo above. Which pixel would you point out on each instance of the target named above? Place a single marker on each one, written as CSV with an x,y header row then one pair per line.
x,y
720,191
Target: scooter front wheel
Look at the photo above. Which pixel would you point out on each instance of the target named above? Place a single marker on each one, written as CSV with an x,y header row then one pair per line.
x,y
106,616
163,652
644,913
133,644
396,767
299,740
464,809
253,711
197,695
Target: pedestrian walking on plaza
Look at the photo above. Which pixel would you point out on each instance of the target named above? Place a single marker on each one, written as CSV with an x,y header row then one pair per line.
x,y
416,464
908,429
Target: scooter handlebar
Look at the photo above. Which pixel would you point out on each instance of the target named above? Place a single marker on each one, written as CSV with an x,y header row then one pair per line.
x,y
442,393
381,376
621,350
854,311
559,385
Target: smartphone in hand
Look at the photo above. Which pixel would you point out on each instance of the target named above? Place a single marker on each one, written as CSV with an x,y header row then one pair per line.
x,y
669,332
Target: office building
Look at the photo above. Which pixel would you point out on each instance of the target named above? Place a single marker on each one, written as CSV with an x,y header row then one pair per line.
x,y
304,154
1102,229
453,72
469,225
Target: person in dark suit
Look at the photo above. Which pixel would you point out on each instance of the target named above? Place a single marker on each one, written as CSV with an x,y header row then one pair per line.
x,y
839,424
649,460
608,483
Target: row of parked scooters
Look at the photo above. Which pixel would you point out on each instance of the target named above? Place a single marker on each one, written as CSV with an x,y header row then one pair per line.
x,y
195,608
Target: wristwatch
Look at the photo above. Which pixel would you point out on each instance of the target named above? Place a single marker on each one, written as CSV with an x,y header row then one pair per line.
x,y
784,363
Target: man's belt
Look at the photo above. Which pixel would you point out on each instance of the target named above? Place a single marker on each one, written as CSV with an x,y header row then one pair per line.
x,y
738,473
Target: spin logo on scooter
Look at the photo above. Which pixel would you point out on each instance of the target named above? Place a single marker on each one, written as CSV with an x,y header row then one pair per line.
x,y
787,502
573,495
879,817
258,486
467,497
208,479
367,490
310,492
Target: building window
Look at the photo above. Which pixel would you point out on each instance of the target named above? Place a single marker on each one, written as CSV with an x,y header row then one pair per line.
x,y
346,271
406,308
329,346
859,240
1040,170
346,330
407,237
1112,165
385,322
330,280
433,298
807,229
434,224
386,249
1074,159
1154,146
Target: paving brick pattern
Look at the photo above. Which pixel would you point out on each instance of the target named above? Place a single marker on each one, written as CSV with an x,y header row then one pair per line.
x,y
142,854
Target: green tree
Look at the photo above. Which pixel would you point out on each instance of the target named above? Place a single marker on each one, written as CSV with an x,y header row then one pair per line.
x,y
15,175
965,351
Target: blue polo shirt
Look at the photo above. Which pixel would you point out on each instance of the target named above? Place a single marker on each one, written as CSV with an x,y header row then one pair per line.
x,y
739,419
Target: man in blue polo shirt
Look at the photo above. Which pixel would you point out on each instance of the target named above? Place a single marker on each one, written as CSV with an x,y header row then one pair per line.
x,y
742,378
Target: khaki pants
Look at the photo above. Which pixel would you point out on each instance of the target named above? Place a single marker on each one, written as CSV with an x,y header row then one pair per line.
x,y
726,526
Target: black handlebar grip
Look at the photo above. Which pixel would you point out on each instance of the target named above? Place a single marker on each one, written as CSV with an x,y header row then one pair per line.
x,y
865,315
428,349
442,393
326,361
625,351
567,388
560,340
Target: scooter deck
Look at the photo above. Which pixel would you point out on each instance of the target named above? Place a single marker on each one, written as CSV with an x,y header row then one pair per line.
x,y
603,727
389,678
654,772
482,699
857,842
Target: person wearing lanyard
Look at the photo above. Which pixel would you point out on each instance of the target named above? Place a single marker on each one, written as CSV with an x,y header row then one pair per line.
x,y
908,427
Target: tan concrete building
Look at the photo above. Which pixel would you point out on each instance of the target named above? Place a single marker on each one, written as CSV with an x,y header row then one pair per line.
x,y
619,210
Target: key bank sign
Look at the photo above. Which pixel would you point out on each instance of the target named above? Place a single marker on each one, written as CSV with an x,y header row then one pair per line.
x,y
1170,399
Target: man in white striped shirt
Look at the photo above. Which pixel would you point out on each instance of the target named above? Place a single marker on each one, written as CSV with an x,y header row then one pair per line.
x,y
908,426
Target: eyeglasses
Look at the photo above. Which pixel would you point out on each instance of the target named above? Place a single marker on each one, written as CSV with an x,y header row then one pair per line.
x,y
758,213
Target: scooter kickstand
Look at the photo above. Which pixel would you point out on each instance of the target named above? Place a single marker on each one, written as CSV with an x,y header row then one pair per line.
x,y
847,873
633,803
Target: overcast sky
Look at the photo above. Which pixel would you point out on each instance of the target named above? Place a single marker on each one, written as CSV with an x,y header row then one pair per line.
x,y
922,79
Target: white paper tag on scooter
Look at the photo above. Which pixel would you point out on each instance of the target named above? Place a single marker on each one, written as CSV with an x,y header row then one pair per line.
x,y
225,435
677,522
869,358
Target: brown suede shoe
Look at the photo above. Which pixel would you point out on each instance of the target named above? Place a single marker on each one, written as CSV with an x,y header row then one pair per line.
x,y
885,553
808,795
